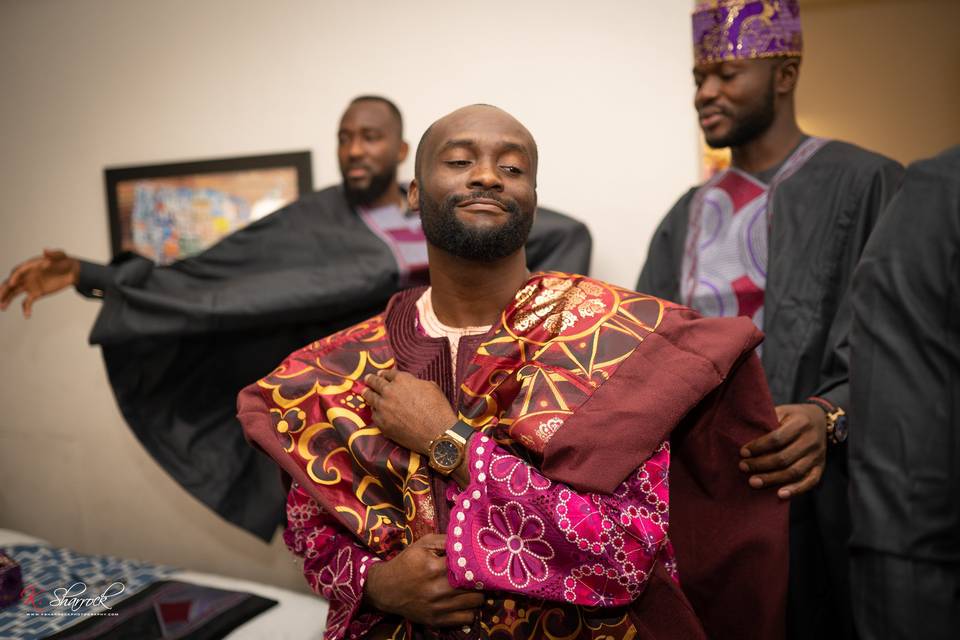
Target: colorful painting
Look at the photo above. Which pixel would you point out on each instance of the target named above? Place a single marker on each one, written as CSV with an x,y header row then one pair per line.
x,y
169,212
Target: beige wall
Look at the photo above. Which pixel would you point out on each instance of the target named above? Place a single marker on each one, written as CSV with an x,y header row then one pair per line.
x,y
884,74
604,86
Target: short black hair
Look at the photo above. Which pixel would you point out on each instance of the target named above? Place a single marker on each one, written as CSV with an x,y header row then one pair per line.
x,y
386,102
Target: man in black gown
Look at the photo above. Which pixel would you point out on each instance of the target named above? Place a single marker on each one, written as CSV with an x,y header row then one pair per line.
x,y
905,412
776,238
318,265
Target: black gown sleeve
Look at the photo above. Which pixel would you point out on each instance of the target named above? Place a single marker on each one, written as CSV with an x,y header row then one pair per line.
x,y
310,261
834,379
660,275
180,341
93,279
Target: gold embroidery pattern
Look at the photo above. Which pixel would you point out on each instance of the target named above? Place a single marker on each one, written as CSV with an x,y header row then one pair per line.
x,y
554,348
325,425
562,339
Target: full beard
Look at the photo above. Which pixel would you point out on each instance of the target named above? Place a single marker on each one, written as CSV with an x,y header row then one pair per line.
x,y
749,126
379,184
446,231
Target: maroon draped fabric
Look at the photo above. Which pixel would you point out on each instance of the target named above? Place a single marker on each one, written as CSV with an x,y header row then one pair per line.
x,y
581,382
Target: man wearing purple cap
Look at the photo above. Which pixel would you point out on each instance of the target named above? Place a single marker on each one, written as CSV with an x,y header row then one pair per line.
x,y
776,238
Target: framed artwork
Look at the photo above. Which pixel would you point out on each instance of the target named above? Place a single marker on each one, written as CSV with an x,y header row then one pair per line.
x,y
166,212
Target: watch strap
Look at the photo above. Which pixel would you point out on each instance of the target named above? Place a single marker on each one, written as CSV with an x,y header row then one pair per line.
x,y
462,430
823,403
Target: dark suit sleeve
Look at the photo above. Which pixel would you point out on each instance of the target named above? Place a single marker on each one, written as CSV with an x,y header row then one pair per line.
x,y
558,242
660,275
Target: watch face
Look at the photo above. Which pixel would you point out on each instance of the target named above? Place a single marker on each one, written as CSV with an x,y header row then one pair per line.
x,y
445,454
840,429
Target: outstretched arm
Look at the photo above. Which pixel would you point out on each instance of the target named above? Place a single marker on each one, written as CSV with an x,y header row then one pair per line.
x,y
39,277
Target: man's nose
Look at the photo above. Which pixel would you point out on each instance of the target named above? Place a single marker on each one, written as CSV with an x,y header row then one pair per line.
x,y
485,175
356,149
707,92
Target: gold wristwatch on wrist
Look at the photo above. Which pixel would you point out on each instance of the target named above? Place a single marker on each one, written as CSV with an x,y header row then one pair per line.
x,y
448,450
836,420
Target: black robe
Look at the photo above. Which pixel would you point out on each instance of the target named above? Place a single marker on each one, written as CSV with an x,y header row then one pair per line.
x,y
905,388
299,274
822,216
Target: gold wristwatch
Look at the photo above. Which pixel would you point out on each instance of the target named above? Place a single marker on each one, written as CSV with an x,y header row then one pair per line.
x,y
837,426
836,420
448,450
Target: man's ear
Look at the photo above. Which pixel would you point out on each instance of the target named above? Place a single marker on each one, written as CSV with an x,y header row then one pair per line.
x,y
413,196
402,154
787,74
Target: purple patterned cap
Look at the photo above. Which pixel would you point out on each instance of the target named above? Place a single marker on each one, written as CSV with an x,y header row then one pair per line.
x,y
745,29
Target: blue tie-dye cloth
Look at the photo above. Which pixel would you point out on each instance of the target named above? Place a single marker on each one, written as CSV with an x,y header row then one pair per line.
x,y
53,580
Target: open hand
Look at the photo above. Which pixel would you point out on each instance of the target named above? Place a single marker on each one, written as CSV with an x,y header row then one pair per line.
x,y
792,455
38,277
414,585
409,411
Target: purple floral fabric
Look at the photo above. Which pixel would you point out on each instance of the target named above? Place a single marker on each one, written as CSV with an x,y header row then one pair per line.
x,y
513,529
334,565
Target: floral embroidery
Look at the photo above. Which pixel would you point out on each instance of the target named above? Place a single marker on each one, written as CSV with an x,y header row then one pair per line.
x,y
584,524
336,579
546,429
335,583
525,321
333,566
515,546
546,297
592,307
543,539
557,304
595,580
299,514
591,288
559,322
313,542
557,284
524,294
519,477
574,297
